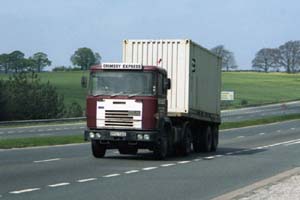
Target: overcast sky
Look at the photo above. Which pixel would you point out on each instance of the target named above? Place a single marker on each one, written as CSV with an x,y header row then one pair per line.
x,y
59,27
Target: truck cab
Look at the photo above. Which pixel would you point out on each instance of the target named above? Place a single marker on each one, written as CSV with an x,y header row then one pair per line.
x,y
125,105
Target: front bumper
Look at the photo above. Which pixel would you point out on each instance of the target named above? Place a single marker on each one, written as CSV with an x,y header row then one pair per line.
x,y
108,135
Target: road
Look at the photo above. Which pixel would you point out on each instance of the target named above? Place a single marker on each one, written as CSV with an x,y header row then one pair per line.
x,y
245,156
77,128
261,112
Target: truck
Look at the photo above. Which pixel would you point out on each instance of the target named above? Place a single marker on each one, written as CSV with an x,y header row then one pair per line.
x,y
164,97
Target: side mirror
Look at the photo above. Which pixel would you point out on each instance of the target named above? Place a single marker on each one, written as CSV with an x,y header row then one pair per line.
x,y
168,84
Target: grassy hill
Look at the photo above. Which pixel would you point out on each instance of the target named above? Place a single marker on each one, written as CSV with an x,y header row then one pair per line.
x,y
261,88
250,88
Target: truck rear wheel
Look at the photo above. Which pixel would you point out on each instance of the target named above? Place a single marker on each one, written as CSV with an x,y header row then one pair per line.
x,y
128,150
215,138
98,149
206,139
197,139
186,144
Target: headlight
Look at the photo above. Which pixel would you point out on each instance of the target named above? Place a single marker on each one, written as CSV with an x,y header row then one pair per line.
x,y
140,137
92,135
147,137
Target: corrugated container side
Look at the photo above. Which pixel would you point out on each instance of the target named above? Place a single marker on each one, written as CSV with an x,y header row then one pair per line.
x,y
172,55
205,80
194,71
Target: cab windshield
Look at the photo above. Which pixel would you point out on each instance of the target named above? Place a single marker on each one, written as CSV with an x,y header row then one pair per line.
x,y
122,83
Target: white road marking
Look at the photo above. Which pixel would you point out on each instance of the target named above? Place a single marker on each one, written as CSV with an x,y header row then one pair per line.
x,y
168,165
149,168
261,133
11,132
241,136
197,159
20,131
292,128
209,157
183,162
292,143
132,171
81,127
86,180
59,184
49,129
278,131
25,190
229,153
48,160
1,133
111,175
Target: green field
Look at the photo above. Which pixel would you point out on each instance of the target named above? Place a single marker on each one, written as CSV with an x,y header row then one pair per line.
x,y
261,88
250,88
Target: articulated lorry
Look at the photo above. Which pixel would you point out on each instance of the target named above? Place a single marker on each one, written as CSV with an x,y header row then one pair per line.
x,y
164,96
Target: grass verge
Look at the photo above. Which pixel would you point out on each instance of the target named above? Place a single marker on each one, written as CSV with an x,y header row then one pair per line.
x,y
268,120
39,141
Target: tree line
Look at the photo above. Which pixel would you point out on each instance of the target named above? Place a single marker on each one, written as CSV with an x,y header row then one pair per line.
x,y
16,61
286,57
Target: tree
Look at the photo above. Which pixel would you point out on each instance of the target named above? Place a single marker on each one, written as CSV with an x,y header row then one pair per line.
x,y
265,59
4,62
40,61
228,60
16,61
289,56
85,57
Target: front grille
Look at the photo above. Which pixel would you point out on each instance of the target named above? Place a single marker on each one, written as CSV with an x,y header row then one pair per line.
x,y
118,118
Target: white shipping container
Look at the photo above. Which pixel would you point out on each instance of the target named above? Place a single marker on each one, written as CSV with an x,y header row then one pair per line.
x,y
194,71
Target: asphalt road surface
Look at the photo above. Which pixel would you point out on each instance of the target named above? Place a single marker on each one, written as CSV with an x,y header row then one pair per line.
x,y
261,112
245,156
78,128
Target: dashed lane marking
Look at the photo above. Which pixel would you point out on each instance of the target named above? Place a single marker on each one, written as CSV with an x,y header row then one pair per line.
x,y
59,184
86,180
278,131
292,128
184,162
110,175
48,160
292,143
10,132
241,136
261,133
132,171
209,157
219,156
168,165
149,168
25,190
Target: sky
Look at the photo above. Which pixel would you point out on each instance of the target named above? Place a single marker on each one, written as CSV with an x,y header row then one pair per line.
x,y
59,27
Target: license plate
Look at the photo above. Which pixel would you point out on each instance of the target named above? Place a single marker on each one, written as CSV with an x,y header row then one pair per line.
x,y
118,134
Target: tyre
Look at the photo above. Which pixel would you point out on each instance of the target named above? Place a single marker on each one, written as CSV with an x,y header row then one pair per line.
x,y
160,150
131,150
215,138
98,149
197,139
186,143
206,139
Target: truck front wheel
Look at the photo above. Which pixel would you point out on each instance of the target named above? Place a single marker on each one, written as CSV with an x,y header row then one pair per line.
x,y
98,149
161,148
